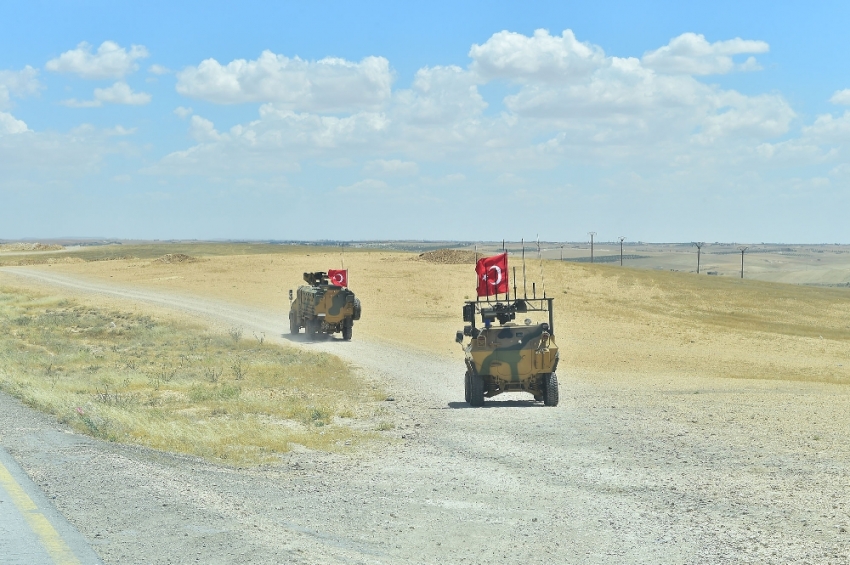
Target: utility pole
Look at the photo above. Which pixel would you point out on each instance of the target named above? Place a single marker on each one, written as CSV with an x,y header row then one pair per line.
x,y
621,238
699,245
742,249
591,234
562,253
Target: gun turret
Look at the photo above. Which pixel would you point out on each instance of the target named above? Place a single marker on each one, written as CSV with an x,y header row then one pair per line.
x,y
316,279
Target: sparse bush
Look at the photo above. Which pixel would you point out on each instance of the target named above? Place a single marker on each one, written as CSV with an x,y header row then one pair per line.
x,y
238,370
59,357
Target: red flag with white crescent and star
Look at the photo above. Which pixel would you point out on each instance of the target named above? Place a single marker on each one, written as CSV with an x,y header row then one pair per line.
x,y
492,275
338,277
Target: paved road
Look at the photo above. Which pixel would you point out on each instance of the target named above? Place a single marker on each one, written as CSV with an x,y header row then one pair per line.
x,y
32,532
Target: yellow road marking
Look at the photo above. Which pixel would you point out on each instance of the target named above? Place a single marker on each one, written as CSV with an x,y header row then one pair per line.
x,y
50,538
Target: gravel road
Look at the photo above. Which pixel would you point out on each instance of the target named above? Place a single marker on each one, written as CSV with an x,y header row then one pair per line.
x,y
626,470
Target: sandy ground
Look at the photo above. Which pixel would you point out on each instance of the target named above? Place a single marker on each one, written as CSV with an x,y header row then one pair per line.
x,y
646,460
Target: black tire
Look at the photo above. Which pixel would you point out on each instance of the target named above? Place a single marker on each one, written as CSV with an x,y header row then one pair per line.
x,y
466,393
311,328
347,327
550,389
293,324
357,309
476,390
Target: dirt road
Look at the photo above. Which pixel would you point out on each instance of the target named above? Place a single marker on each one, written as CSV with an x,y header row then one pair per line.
x,y
625,470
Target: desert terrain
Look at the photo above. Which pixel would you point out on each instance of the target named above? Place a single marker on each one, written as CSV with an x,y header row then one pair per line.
x,y
703,419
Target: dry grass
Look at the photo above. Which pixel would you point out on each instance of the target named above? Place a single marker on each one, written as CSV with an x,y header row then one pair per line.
x,y
175,386
612,322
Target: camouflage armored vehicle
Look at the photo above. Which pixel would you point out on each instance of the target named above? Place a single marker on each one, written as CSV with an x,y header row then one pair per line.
x,y
321,307
510,357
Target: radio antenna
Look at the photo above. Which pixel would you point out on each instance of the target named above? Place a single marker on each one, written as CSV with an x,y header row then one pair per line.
x,y
342,255
524,288
540,258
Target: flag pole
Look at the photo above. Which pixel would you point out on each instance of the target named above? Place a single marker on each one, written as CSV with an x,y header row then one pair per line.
x,y
476,273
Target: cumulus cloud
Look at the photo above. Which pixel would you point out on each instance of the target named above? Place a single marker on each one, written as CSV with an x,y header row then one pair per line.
x,y
183,112
366,187
328,85
118,93
201,129
10,125
440,95
18,83
828,129
573,104
159,70
758,117
841,97
390,167
541,57
692,54
110,61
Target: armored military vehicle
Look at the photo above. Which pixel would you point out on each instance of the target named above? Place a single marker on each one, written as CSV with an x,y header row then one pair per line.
x,y
510,357
321,307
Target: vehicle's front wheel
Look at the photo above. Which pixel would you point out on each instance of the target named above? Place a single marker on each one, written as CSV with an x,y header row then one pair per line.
x,y
466,392
476,390
550,389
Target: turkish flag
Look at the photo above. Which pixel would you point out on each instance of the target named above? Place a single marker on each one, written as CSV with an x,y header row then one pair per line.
x,y
338,277
492,275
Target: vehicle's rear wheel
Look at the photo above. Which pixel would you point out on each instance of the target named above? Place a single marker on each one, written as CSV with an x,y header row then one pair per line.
x,y
550,389
347,327
466,392
476,390
311,328
293,324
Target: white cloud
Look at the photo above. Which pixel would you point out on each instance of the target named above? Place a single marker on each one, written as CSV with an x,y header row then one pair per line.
x,y
120,131
540,58
10,125
366,187
74,103
841,97
183,112
118,93
827,129
440,95
18,83
692,54
203,130
328,85
110,61
390,167
574,106
759,117
159,70
121,93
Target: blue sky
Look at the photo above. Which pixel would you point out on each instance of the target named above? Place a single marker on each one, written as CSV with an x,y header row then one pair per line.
x,y
474,120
